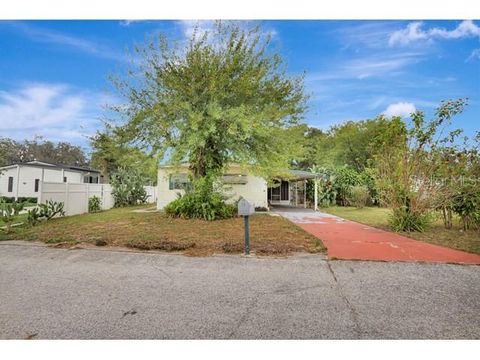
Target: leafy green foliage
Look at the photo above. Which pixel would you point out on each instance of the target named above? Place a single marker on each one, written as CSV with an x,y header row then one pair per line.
x,y
94,204
358,196
33,216
111,152
344,179
203,201
466,204
51,209
327,195
408,165
349,144
7,214
404,219
11,199
225,97
127,184
45,211
12,151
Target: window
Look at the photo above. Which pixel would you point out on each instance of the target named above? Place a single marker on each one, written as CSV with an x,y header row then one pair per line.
x,y
235,179
178,182
284,190
10,184
64,179
37,184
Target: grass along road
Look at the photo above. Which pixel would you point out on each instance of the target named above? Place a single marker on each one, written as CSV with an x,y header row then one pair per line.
x,y
454,238
270,235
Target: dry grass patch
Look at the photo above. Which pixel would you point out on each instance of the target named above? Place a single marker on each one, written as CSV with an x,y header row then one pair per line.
x,y
270,235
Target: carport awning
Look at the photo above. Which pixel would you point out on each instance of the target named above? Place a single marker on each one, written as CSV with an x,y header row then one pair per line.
x,y
304,175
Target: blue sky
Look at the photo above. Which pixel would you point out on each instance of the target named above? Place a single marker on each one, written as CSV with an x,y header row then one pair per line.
x,y
54,74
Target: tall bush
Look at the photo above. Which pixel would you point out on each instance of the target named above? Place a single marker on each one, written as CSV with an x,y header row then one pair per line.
x,y
466,204
128,188
359,196
203,200
344,179
407,165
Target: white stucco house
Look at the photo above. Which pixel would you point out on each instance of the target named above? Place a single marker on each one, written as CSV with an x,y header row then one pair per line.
x,y
23,179
172,180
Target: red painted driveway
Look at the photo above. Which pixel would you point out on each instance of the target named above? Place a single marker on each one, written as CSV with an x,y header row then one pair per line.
x,y
349,240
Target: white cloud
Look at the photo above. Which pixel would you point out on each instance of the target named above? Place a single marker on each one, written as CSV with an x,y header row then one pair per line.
x,y
367,67
55,111
403,109
414,32
127,23
200,27
43,35
365,35
475,55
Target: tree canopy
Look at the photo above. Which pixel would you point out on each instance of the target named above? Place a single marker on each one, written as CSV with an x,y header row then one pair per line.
x,y
112,154
12,151
223,97
351,143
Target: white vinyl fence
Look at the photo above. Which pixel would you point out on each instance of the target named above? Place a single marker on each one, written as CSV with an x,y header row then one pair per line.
x,y
75,196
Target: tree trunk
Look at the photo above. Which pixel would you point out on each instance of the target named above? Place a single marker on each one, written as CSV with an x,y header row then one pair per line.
x,y
447,217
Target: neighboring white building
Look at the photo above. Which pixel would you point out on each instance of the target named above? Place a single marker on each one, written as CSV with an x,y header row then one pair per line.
x,y
23,179
172,180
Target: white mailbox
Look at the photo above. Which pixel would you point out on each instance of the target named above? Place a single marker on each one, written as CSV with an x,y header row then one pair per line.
x,y
245,208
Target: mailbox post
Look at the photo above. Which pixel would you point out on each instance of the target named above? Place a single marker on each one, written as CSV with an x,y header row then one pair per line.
x,y
245,209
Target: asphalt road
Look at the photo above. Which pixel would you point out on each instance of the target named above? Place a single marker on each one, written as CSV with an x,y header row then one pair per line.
x,y
50,293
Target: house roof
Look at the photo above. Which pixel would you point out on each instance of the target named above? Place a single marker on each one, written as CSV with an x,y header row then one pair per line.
x,y
44,164
295,174
302,174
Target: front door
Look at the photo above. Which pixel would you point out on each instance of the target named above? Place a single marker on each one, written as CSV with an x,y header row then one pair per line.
x,y
279,192
284,191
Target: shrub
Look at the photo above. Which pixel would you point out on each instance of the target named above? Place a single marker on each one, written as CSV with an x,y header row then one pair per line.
x,y
203,201
128,188
403,219
466,204
94,204
46,211
327,195
359,196
31,200
51,209
343,180
7,214
33,217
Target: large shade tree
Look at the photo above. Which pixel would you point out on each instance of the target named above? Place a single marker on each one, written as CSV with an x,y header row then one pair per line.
x,y
222,97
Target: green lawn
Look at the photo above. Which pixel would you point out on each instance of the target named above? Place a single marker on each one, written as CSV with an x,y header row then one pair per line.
x,y
270,235
18,219
454,238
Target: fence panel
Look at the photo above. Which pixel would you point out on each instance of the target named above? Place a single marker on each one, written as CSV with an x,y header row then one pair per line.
x,y
152,194
107,199
75,196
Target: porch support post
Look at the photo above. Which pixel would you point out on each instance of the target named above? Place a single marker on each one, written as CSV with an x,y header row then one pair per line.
x,y
305,193
316,194
296,193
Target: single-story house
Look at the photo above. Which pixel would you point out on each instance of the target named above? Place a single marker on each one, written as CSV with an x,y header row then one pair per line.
x,y
172,180
23,179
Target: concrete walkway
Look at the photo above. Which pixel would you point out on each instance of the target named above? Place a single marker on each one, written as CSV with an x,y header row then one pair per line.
x,y
349,240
